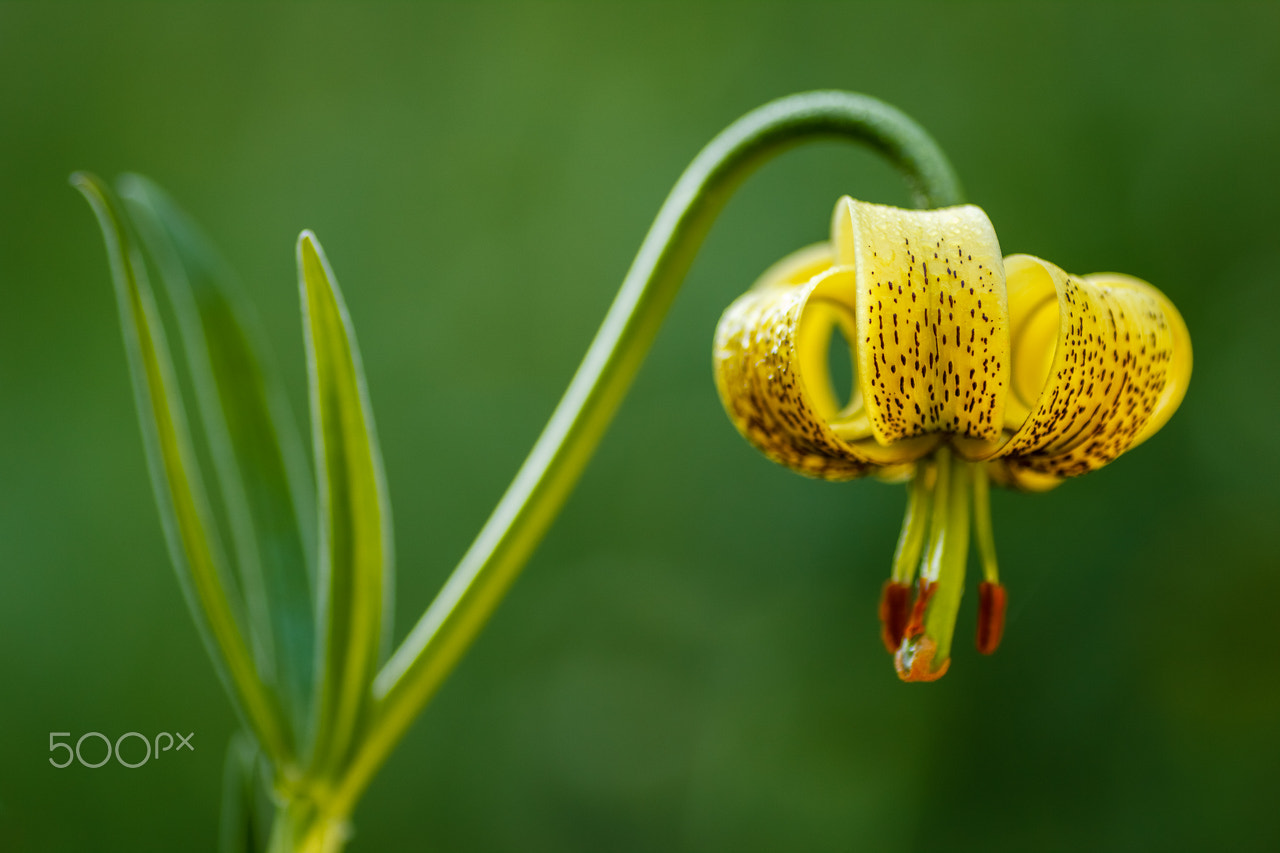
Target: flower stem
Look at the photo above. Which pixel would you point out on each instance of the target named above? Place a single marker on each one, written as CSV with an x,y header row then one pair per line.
x,y
533,500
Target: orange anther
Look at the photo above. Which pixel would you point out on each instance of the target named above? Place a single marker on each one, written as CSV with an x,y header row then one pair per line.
x,y
991,605
895,608
915,626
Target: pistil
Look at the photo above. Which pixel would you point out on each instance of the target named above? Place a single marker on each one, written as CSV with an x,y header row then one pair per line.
x,y
925,652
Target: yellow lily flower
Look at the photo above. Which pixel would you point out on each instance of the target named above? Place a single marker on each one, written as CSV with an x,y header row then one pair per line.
x,y
967,367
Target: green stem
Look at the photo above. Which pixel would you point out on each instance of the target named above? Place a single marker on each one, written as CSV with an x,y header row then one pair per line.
x,y
534,498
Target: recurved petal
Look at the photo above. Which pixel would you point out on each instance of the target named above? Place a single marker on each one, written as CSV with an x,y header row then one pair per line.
x,y
1177,369
1097,361
932,320
770,360
758,377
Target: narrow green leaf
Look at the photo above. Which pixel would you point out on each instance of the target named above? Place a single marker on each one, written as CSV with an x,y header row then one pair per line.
x,y
243,827
256,451
193,543
355,520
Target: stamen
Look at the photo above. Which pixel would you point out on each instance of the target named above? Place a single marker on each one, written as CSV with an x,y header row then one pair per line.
x,y
991,607
982,524
992,597
895,598
895,606
914,524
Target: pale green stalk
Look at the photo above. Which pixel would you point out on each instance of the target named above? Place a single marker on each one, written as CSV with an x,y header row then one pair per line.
x,y
416,670
982,524
915,524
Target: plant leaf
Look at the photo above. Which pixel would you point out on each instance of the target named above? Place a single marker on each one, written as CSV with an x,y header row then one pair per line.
x,y
354,516
193,543
256,451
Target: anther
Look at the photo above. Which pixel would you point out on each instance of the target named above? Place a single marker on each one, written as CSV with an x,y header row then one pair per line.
x,y
895,609
915,626
991,606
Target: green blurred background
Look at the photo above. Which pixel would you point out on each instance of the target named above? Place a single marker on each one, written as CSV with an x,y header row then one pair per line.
x,y
691,660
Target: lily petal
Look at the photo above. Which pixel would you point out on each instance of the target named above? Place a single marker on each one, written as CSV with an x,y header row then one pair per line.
x,y
932,319
1100,362
920,295
758,370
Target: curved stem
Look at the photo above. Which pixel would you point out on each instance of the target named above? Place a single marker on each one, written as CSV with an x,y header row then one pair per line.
x,y
540,488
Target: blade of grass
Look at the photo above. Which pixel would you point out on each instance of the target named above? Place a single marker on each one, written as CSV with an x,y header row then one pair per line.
x,y
355,521
256,451
193,544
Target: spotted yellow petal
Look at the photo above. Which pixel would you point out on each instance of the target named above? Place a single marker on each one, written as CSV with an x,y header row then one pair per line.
x,y
758,372
1100,362
932,320
1177,370
920,297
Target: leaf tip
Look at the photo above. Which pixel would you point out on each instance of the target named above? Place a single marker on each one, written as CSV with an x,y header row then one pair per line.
x,y
308,239
96,192
313,264
135,186
86,182
308,248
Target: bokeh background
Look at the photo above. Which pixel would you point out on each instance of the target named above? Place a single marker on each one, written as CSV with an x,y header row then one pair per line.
x,y
691,660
